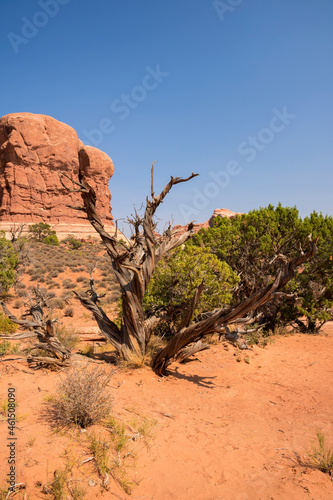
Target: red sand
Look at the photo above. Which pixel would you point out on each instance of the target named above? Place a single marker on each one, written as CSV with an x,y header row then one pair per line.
x,y
225,429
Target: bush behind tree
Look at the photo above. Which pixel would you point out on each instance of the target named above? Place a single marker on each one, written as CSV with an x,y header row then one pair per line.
x,y
251,244
177,278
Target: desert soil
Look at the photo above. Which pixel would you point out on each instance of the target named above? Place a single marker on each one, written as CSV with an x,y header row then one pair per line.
x,y
223,428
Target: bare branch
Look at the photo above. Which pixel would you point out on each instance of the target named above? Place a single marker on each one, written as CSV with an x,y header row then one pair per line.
x,y
152,180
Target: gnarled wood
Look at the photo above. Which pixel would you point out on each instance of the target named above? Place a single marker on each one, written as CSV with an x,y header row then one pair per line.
x,y
133,265
43,328
222,317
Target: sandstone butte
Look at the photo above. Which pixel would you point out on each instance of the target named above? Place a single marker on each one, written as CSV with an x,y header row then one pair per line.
x,y
34,150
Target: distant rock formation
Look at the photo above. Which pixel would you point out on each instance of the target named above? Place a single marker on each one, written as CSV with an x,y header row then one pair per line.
x,y
34,150
218,212
222,212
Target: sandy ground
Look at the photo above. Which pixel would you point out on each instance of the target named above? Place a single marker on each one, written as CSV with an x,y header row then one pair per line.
x,y
223,429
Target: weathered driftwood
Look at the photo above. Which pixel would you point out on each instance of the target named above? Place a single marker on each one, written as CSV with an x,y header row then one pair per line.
x,y
134,263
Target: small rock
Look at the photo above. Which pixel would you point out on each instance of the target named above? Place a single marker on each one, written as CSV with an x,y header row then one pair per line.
x,y
91,482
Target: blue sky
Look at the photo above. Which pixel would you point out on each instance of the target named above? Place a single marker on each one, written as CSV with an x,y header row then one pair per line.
x,y
239,91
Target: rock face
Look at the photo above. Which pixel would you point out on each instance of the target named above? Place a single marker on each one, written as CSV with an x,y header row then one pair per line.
x,y
34,150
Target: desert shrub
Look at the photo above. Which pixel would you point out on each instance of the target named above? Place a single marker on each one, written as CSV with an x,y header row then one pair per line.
x,y
17,304
51,240
57,303
176,279
80,279
321,456
8,262
249,242
41,231
68,336
54,273
68,284
72,242
22,293
52,285
83,397
4,347
6,325
69,312
20,285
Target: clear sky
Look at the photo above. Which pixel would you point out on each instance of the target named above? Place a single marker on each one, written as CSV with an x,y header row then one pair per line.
x,y
239,91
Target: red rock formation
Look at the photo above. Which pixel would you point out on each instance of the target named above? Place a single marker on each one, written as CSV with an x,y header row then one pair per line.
x,y
34,149
222,212
218,212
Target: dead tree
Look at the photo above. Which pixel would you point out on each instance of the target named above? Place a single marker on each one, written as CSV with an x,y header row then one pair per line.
x,y
16,231
42,328
134,263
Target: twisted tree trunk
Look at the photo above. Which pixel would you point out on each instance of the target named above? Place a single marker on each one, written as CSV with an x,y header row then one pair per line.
x,y
134,263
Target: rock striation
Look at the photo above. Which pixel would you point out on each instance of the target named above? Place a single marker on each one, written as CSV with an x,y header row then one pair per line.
x,y
34,150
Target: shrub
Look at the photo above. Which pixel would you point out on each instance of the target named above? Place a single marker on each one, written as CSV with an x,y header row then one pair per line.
x,y
6,325
83,398
54,273
80,279
4,347
18,303
57,303
67,283
41,231
321,456
21,285
177,277
69,312
67,336
52,240
8,262
72,242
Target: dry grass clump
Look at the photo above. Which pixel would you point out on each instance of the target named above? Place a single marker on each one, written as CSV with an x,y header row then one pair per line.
x,y
68,336
69,312
83,397
321,456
